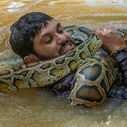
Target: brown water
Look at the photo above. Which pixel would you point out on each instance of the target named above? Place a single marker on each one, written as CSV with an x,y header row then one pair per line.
x,y
40,107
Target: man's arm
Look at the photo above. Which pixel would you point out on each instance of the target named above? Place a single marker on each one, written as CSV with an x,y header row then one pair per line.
x,y
115,44
121,57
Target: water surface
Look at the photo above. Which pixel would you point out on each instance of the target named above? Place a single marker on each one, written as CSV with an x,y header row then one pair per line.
x,y
39,107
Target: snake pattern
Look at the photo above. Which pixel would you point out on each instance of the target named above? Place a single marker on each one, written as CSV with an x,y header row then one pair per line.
x,y
93,80
95,72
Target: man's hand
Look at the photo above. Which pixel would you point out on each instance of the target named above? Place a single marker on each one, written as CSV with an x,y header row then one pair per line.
x,y
111,40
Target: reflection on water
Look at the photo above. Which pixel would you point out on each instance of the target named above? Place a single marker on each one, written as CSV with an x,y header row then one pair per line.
x,y
40,107
30,108
14,6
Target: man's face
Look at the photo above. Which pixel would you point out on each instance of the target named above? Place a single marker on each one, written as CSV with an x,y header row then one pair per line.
x,y
53,41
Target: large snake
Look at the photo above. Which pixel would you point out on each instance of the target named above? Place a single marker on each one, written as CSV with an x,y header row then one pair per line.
x,y
43,73
16,75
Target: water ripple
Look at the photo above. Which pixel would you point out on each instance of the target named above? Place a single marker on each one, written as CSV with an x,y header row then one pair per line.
x,y
14,6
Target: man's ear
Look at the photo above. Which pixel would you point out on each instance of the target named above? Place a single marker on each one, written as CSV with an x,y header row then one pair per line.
x,y
30,59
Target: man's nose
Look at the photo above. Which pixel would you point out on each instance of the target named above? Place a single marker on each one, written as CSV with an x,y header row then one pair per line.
x,y
61,39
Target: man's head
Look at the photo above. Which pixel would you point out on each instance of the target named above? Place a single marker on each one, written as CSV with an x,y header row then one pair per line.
x,y
37,36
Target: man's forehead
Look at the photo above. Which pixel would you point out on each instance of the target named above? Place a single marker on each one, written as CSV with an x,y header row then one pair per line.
x,y
50,28
52,25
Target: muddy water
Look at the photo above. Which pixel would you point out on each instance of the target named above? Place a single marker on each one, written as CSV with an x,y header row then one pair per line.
x,y
40,107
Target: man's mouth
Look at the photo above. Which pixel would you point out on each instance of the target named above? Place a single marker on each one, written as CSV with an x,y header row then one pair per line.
x,y
68,46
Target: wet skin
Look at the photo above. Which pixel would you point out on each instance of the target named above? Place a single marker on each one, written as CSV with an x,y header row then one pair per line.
x,y
53,41
111,40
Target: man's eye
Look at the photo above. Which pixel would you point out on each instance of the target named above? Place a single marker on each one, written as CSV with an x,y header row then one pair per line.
x,y
48,39
60,30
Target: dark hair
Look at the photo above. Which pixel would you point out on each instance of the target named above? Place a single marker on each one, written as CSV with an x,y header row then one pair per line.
x,y
24,31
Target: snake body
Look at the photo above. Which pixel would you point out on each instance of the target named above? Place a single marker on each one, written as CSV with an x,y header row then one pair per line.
x,y
95,72
43,73
93,80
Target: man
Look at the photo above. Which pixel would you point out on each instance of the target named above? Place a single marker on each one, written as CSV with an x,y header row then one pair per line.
x,y
37,36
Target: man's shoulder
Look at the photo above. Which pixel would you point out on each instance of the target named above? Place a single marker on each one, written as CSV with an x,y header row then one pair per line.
x,y
77,28
78,33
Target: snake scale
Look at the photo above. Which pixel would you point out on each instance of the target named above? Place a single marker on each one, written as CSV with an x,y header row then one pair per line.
x,y
95,72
